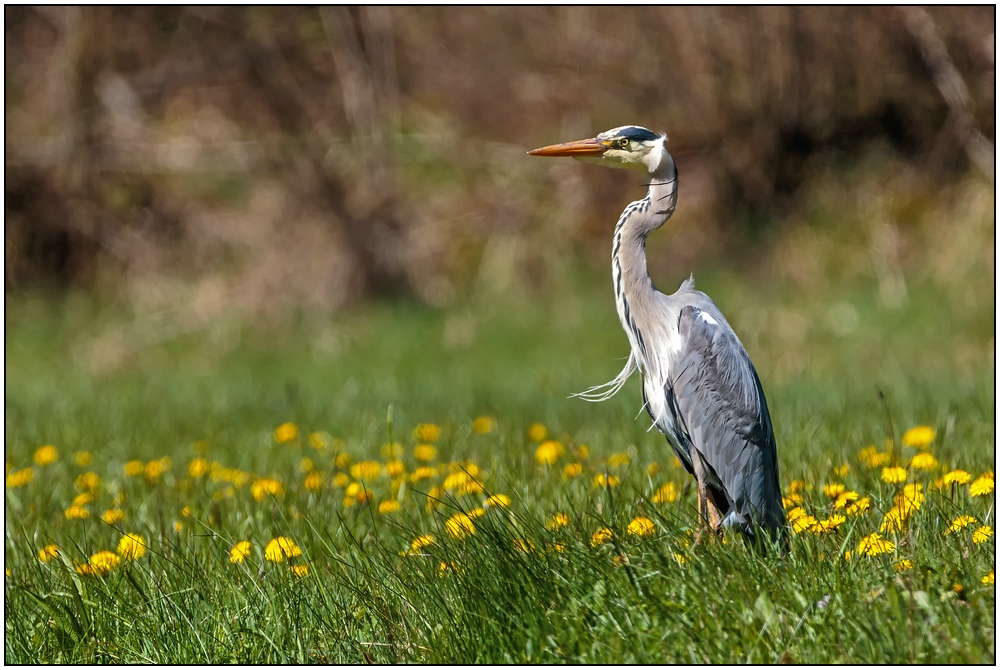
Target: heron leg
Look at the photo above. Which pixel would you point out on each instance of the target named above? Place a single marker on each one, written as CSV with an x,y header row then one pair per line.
x,y
714,518
708,511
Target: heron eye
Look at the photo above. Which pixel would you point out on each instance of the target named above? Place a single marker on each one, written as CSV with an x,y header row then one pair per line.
x,y
623,143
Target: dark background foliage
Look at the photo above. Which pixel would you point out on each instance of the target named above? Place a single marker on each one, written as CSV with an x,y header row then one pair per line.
x,y
335,154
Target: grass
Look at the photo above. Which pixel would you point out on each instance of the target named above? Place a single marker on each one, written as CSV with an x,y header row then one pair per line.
x,y
514,590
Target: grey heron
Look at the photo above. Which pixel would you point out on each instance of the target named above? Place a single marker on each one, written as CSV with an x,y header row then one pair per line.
x,y
699,386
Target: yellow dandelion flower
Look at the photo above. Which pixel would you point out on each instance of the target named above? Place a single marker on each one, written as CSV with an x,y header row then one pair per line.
x,y
468,467
873,545
653,469
556,522
618,460
911,498
476,512
833,490
982,486
445,567
305,464
600,536
498,500
842,470
434,497
804,523
314,481
419,543
340,480
982,534
665,494
958,588
388,506
956,477
18,478
300,570
133,468
483,424
859,508
556,547
641,526
88,481
178,526
459,526
987,580
319,441
76,512
794,513
83,499
342,460
582,452
366,470
894,475
827,525
365,496
923,461
894,519
240,551
102,563
456,480
425,452
471,486
285,433
679,558
878,460
131,547
198,467
573,470
791,500
48,552
280,547
264,487
918,436
523,546
46,455
423,472
82,458
537,432
426,432
900,566
844,499
604,479
156,468
872,458
395,468
548,452
847,555
796,485
959,523
112,516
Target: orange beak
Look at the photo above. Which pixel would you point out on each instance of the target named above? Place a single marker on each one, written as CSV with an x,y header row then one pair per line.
x,y
575,149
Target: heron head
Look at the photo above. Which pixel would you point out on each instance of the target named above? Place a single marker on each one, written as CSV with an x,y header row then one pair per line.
x,y
626,146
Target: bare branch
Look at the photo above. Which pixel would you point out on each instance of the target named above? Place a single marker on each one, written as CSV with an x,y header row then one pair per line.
x,y
952,87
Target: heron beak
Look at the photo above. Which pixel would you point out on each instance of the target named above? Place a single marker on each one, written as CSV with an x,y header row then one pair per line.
x,y
576,149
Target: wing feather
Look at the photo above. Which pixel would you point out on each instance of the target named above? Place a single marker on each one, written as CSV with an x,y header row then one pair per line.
x,y
720,405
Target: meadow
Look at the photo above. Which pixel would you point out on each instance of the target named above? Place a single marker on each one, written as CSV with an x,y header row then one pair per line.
x,y
400,484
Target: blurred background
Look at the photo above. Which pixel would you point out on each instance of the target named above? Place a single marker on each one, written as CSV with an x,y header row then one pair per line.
x,y
192,166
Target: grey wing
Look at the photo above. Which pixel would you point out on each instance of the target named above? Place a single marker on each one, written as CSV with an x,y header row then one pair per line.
x,y
721,409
